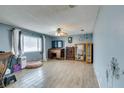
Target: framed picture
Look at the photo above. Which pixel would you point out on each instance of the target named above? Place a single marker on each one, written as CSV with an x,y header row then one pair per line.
x,y
69,39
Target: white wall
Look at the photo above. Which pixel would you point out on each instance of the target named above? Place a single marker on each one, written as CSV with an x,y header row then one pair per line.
x,y
109,42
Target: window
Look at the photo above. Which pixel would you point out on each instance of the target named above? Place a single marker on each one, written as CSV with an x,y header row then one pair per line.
x,y
57,44
32,44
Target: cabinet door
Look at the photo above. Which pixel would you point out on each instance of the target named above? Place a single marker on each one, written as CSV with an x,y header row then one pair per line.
x,y
53,44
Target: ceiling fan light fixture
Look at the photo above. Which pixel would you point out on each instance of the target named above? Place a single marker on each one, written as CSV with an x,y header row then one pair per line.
x,y
60,32
57,34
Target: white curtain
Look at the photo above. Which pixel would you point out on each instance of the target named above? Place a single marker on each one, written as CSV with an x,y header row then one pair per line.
x,y
22,44
15,41
44,48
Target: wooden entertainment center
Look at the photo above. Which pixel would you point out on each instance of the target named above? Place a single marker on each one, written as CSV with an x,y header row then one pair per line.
x,y
80,52
56,53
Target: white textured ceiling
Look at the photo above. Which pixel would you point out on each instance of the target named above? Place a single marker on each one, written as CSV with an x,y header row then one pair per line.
x,y
46,19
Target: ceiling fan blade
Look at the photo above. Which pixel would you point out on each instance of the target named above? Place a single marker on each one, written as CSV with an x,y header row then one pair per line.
x,y
64,33
58,32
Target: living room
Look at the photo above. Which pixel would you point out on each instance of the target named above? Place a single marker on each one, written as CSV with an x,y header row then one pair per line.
x,y
61,46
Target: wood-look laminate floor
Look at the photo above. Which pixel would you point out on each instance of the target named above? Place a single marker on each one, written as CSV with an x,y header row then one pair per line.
x,y
57,74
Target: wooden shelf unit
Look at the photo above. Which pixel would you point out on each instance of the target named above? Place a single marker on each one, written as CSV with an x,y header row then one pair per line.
x,y
89,53
70,53
56,53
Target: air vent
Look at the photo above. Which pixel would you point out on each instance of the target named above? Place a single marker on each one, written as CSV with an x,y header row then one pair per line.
x,y
72,6
82,30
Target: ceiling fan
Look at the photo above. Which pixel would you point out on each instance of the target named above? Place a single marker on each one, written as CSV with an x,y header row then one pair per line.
x,y
59,32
